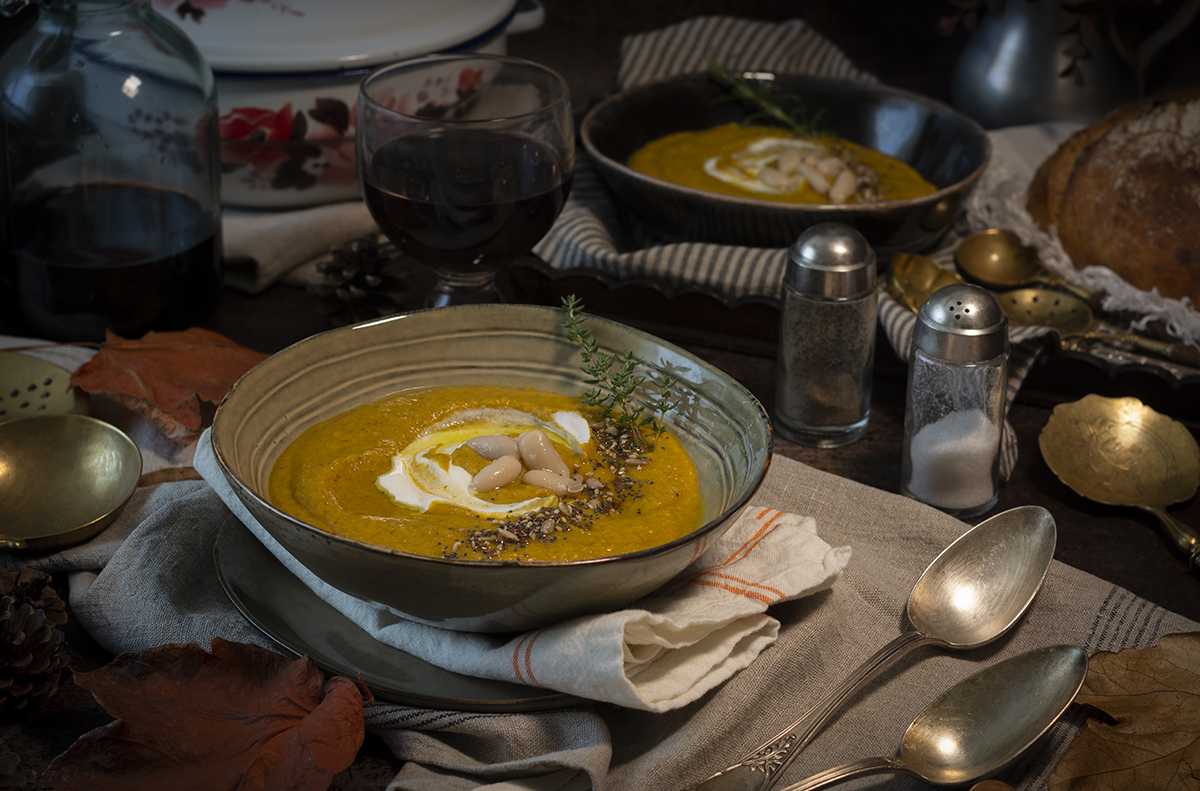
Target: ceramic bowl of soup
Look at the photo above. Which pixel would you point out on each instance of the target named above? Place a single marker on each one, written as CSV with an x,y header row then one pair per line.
x,y
723,428
943,146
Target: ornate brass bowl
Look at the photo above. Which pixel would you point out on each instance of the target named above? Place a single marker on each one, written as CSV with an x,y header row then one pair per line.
x,y
1118,451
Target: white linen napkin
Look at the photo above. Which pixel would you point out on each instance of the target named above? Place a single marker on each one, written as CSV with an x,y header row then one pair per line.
x,y
662,652
262,247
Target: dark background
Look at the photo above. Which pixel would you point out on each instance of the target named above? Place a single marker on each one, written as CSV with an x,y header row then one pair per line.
x,y
897,40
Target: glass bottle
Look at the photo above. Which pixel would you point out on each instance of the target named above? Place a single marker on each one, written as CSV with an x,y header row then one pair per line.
x,y
954,414
109,173
826,355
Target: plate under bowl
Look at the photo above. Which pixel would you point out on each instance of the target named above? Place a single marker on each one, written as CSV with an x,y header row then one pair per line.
x,y
724,428
946,147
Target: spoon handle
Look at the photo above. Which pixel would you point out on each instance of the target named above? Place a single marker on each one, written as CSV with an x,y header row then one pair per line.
x,y
861,768
759,769
1184,536
1176,352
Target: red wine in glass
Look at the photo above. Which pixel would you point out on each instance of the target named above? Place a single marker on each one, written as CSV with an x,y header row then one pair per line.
x,y
466,202
465,162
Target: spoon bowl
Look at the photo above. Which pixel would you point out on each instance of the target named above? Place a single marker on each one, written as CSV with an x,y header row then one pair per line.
x,y
981,724
913,278
1075,321
63,478
1118,451
970,595
977,588
998,259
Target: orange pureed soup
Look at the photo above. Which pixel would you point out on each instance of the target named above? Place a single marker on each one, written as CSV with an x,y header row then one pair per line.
x,y
773,164
402,473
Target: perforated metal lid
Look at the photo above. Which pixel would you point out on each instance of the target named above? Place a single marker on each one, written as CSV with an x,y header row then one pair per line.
x,y
831,261
961,323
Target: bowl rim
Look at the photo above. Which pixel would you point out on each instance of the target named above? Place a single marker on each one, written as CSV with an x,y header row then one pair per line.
x,y
695,194
241,489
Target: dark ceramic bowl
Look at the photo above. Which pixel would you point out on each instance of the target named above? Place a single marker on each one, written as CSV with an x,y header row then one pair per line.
x,y
946,147
721,424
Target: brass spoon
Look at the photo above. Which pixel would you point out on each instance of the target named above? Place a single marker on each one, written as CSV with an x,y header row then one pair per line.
x,y
970,595
1074,320
979,725
997,259
912,279
1118,451
63,478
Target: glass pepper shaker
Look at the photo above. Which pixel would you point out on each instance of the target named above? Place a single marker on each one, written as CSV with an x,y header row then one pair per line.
x,y
109,173
826,338
954,416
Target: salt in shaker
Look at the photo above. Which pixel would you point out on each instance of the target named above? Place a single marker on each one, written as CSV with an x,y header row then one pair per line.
x,y
826,338
955,404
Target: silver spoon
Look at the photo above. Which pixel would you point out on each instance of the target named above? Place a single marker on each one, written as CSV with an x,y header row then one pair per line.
x,y
981,724
971,594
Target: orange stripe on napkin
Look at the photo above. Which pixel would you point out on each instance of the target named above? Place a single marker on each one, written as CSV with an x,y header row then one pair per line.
x,y
527,676
731,589
765,529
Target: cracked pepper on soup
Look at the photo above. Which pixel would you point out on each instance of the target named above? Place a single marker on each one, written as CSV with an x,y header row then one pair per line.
x,y
773,164
488,473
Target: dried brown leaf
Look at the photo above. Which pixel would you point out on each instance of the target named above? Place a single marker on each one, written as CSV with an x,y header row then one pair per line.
x,y
241,717
165,375
1153,698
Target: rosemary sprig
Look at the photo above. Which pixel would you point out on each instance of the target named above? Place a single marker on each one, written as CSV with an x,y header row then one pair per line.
x,y
616,380
761,97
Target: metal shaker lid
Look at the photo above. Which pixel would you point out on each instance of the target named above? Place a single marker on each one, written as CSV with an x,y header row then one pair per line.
x,y
832,261
961,323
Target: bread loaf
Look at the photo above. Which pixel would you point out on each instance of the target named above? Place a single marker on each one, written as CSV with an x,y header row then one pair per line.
x,y
1125,194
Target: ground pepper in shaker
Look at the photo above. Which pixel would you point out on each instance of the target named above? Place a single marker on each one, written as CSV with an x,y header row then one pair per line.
x,y
826,338
954,416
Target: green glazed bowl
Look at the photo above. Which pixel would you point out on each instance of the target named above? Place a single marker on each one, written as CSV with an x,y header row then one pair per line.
x,y
724,428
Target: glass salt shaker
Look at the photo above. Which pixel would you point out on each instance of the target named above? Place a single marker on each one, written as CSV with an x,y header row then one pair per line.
x,y
109,173
826,338
954,416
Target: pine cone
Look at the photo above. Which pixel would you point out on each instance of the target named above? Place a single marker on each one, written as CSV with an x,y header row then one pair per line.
x,y
364,279
33,650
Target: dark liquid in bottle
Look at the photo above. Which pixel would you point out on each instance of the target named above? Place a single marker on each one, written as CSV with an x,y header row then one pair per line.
x,y
459,202
129,258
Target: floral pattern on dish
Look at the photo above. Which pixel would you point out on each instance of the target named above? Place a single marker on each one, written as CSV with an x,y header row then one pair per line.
x,y
289,149
195,10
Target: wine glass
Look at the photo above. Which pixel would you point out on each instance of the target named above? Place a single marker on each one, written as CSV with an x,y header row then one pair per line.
x,y
465,162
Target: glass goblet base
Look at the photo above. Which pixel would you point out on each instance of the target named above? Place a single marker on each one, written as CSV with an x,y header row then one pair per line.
x,y
475,287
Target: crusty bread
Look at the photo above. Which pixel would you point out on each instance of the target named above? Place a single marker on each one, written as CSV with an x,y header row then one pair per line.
x,y
1125,194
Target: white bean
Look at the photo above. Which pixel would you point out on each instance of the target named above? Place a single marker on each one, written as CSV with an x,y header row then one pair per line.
x,y
500,472
538,453
789,159
548,480
493,446
773,178
844,188
819,183
830,167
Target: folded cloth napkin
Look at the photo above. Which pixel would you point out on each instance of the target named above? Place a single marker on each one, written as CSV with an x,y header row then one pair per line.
x,y
261,247
662,652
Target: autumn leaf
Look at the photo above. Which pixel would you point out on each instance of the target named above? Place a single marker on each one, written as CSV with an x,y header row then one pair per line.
x,y
241,717
165,375
1153,696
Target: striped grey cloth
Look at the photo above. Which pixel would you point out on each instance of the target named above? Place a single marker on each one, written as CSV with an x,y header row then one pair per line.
x,y
590,233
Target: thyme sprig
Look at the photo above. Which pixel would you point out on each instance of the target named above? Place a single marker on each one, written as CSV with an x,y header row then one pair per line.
x,y
616,381
760,96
